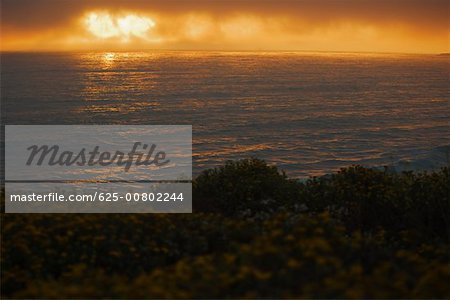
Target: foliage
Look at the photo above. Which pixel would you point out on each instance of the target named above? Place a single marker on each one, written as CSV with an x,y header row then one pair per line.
x,y
243,187
369,199
359,233
44,246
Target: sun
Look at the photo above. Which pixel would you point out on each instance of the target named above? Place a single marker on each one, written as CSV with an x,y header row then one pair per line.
x,y
105,26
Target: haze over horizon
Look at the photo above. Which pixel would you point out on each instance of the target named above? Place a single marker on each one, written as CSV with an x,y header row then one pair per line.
x,y
324,25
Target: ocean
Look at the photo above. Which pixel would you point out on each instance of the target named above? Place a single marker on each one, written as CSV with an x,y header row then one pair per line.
x,y
307,113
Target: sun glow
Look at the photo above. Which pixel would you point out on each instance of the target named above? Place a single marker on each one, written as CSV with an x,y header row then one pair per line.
x,y
105,26
147,25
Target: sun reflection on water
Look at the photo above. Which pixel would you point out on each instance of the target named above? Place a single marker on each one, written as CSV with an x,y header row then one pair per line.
x,y
108,59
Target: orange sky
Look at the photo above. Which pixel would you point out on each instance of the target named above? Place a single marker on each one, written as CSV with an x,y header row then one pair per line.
x,y
410,26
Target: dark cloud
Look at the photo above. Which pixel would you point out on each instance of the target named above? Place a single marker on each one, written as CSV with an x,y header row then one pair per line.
x,y
329,25
39,14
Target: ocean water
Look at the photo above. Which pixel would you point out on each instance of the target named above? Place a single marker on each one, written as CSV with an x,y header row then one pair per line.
x,y
307,113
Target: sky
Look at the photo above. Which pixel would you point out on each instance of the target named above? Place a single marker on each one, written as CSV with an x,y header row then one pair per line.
x,y
405,26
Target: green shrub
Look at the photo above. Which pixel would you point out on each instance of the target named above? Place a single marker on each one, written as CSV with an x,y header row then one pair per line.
x,y
369,199
41,246
294,257
244,187
359,233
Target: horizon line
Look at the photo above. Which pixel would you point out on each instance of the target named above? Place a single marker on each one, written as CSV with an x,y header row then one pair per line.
x,y
224,50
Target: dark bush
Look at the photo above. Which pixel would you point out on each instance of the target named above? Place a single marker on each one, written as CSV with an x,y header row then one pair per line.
x,y
42,246
359,233
244,187
369,199
294,257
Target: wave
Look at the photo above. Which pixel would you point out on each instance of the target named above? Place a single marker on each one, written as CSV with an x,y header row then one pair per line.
x,y
431,160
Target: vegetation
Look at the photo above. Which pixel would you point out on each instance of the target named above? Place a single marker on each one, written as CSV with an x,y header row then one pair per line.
x,y
254,233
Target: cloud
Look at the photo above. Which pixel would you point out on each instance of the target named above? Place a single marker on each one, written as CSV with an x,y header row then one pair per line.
x,y
104,25
359,25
